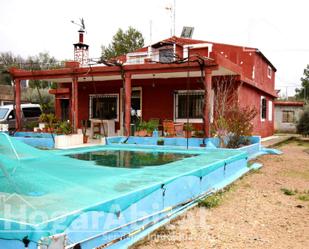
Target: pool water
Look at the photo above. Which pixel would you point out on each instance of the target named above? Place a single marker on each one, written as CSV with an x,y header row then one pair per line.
x,y
130,159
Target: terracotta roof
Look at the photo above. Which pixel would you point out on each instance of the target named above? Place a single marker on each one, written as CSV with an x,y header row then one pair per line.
x,y
289,103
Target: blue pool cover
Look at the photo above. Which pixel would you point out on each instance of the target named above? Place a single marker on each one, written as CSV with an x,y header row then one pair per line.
x,y
46,192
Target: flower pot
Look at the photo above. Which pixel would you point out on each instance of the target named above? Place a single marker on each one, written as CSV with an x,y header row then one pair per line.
x,y
85,139
160,142
188,134
142,133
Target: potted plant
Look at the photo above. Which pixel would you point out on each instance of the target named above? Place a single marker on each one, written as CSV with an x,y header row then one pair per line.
x,y
151,126
160,141
67,139
188,130
42,121
142,129
85,124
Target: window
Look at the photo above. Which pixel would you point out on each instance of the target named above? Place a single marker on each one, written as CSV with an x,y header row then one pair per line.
x,y
3,112
31,112
263,108
269,72
166,55
270,110
288,116
195,101
104,106
12,115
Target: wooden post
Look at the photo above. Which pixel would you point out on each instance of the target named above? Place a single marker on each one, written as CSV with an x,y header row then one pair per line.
x,y
127,118
18,105
74,97
207,96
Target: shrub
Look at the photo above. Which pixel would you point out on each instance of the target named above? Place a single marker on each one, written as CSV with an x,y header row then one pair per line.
x,y
237,124
303,124
151,125
211,201
160,142
64,128
30,126
43,118
288,191
142,125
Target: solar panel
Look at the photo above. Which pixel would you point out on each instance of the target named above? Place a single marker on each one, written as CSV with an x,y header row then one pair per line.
x,y
187,32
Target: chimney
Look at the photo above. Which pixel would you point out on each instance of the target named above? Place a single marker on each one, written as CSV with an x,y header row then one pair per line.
x,y
81,36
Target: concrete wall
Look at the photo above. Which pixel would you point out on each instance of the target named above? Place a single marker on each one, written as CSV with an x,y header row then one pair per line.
x,y
287,127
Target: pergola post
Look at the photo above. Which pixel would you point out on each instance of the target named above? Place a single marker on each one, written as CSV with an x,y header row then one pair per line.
x,y
18,105
127,117
75,104
207,96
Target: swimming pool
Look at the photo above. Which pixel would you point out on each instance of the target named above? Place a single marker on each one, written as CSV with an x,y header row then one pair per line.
x,y
54,193
130,159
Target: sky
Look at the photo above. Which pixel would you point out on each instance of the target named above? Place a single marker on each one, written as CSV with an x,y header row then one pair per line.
x,y
278,28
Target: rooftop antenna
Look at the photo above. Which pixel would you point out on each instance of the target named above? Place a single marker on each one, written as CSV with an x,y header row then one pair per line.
x,y
150,32
172,9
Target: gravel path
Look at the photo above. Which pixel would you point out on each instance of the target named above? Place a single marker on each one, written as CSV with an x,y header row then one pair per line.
x,y
255,213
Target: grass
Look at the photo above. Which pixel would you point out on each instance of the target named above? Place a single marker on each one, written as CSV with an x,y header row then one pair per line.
x,y
217,198
296,140
284,142
287,191
304,197
304,174
211,201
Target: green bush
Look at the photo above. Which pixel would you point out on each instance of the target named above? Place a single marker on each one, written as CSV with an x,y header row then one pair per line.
x,y
287,191
211,201
64,128
31,125
303,124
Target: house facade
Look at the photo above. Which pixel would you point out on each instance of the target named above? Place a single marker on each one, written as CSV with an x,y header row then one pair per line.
x,y
175,79
287,114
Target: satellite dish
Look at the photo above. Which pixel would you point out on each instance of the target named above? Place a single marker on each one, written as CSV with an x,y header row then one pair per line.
x,y
187,32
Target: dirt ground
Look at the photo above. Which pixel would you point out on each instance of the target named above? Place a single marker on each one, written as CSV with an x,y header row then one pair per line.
x,y
254,213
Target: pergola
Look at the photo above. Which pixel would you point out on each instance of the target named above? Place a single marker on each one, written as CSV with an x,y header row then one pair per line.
x,y
73,74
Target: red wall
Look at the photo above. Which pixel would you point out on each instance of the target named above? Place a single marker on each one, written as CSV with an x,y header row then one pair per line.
x,y
158,99
250,97
157,96
247,58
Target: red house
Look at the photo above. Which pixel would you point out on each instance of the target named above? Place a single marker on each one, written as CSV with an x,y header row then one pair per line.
x,y
156,81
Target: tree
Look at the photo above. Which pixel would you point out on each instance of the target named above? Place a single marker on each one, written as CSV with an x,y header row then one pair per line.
x,y
7,60
303,124
232,123
303,92
40,62
123,43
